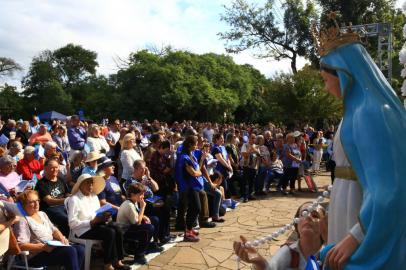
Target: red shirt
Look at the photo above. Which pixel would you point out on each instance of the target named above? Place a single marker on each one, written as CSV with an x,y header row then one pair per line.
x,y
28,168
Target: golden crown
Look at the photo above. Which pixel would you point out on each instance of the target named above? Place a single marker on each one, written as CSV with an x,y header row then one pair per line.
x,y
327,39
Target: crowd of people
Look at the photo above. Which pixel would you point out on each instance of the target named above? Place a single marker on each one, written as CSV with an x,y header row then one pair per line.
x,y
141,174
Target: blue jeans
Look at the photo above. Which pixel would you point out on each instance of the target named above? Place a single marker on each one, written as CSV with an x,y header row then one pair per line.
x,y
260,179
71,257
271,177
216,194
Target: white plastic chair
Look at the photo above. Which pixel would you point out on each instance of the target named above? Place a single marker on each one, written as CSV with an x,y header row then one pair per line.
x,y
12,264
88,243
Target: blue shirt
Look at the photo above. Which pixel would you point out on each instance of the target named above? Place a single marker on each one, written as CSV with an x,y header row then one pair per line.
x,y
77,138
220,149
196,183
89,170
112,192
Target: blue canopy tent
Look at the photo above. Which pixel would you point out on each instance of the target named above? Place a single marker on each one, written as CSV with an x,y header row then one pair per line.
x,y
52,115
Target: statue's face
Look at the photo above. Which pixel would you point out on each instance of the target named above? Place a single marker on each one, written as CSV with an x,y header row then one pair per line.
x,y
332,83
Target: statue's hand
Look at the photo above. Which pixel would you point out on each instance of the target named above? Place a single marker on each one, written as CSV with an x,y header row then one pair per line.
x,y
339,254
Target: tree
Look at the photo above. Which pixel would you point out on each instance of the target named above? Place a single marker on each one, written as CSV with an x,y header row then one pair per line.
x,y
61,80
301,98
11,102
74,64
371,11
254,27
358,11
8,66
181,85
43,90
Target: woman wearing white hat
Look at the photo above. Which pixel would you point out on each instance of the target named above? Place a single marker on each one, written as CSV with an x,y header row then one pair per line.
x,y
84,222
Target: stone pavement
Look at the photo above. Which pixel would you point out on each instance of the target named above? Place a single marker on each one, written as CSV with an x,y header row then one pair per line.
x,y
253,219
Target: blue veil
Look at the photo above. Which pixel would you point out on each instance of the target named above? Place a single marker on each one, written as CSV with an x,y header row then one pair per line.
x,y
373,136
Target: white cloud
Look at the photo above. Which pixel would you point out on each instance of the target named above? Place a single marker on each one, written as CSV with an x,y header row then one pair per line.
x,y
115,28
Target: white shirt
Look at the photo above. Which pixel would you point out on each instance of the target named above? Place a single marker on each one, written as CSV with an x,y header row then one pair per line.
x,y
128,213
127,158
282,258
112,137
81,210
98,144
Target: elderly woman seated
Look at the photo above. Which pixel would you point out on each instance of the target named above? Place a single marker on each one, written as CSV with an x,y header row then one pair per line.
x,y
85,223
34,233
8,177
15,150
296,254
29,166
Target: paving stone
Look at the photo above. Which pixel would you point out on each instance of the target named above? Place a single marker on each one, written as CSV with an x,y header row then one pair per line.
x,y
188,255
253,220
219,254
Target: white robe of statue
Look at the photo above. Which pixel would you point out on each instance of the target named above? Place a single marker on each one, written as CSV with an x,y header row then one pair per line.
x,y
345,201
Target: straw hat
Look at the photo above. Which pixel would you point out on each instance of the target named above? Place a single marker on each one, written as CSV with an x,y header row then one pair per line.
x,y
94,155
98,183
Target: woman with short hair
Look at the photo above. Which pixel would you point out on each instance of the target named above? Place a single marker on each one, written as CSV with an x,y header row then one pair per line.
x,y
9,179
34,233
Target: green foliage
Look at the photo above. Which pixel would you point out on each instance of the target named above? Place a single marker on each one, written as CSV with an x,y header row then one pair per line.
x,y
254,27
74,64
11,103
180,84
170,85
300,98
372,11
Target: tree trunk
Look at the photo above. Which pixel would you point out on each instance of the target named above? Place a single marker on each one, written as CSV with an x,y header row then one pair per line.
x,y
293,63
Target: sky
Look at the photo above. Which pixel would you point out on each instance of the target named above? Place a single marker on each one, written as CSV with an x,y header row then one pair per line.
x,y
115,28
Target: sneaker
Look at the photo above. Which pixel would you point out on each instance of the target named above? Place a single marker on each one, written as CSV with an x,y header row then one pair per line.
x,y
153,247
245,200
140,259
207,224
190,237
251,198
195,232
234,204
